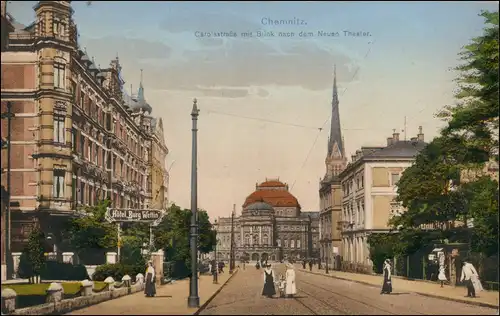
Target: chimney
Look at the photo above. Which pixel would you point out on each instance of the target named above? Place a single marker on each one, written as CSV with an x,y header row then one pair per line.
x,y
395,136
389,141
420,135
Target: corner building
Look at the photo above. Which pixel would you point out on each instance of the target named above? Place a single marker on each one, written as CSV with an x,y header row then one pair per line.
x,y
77,137
271,226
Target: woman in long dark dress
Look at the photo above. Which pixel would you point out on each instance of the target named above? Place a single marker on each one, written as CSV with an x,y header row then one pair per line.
x,y
150,288
387,285
269,278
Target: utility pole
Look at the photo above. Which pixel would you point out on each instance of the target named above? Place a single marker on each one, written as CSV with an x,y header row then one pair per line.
x,y
231,259
8,262
405,128
194,299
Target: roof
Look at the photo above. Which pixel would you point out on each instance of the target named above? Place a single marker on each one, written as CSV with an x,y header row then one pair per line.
x,y
277,198
259,206
400,149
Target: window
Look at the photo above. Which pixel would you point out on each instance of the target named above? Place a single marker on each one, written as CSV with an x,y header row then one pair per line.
x,y
265,240
103,163
73,139
96,154
82,192
82,99
59,76
59,128
82,144
74,188
362,181
57,27
89,150
247,240
394,178
298,243
58,183
286,243
292,243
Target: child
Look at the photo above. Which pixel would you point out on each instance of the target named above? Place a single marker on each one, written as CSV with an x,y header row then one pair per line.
x,y
282,285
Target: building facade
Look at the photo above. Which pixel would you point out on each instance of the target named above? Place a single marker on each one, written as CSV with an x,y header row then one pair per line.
x,y
369,195
77,136
271,226
330,192
159,174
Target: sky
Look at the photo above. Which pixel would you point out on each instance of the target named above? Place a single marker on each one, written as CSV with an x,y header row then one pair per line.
x,y
265,101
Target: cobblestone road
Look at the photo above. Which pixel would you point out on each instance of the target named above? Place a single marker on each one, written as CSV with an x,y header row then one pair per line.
x,y
319,295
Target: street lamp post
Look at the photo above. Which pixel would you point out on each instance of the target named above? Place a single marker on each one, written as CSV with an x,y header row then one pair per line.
x,y
231,259
216,263
9,115
327,250
194,299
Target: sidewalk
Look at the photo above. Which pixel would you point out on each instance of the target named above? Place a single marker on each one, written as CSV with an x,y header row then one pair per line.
x,y
485,298
170,299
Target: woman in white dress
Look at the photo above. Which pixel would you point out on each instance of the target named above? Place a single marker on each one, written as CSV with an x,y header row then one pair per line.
x,y
442,276
442,269
290,289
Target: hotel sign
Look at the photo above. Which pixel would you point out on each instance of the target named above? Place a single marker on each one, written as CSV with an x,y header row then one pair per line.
x,y
134,215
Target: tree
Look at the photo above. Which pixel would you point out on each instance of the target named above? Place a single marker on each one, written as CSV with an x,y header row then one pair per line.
x,y
91,235
172,234
476,115
32,259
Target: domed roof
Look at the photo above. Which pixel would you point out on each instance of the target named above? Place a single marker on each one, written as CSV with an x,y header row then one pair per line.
x,y
259,206
273,192
271,184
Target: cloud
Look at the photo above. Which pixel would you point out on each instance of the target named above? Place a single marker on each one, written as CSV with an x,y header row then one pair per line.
x,y
252,63
262,93
224,93
128,49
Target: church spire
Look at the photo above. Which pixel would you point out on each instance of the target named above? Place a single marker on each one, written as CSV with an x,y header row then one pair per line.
x,y
335,131
140,93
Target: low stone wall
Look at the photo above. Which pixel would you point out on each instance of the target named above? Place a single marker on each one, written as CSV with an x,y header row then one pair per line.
x,y
55,304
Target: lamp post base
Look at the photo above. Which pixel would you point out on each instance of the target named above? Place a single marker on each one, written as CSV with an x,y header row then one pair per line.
x,y
193,301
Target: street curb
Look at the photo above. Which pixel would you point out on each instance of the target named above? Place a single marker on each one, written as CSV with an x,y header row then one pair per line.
x,y
202,307
481,304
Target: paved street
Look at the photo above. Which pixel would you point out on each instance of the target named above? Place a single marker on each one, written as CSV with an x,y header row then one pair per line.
x,y
318,295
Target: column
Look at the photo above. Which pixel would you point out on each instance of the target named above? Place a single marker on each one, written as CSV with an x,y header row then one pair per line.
x,y
251,235
242,238
260,235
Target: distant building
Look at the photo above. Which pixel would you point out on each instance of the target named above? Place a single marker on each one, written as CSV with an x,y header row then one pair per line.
x,y
271,226
369,193
330,192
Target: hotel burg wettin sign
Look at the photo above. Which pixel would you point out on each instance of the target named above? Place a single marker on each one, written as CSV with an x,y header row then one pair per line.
x,y
134,215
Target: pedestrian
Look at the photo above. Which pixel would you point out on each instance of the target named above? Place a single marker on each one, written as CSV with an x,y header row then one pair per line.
x,y
442,276
150,288
290,289
304,264
387,285
269,278
471,278
310,265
